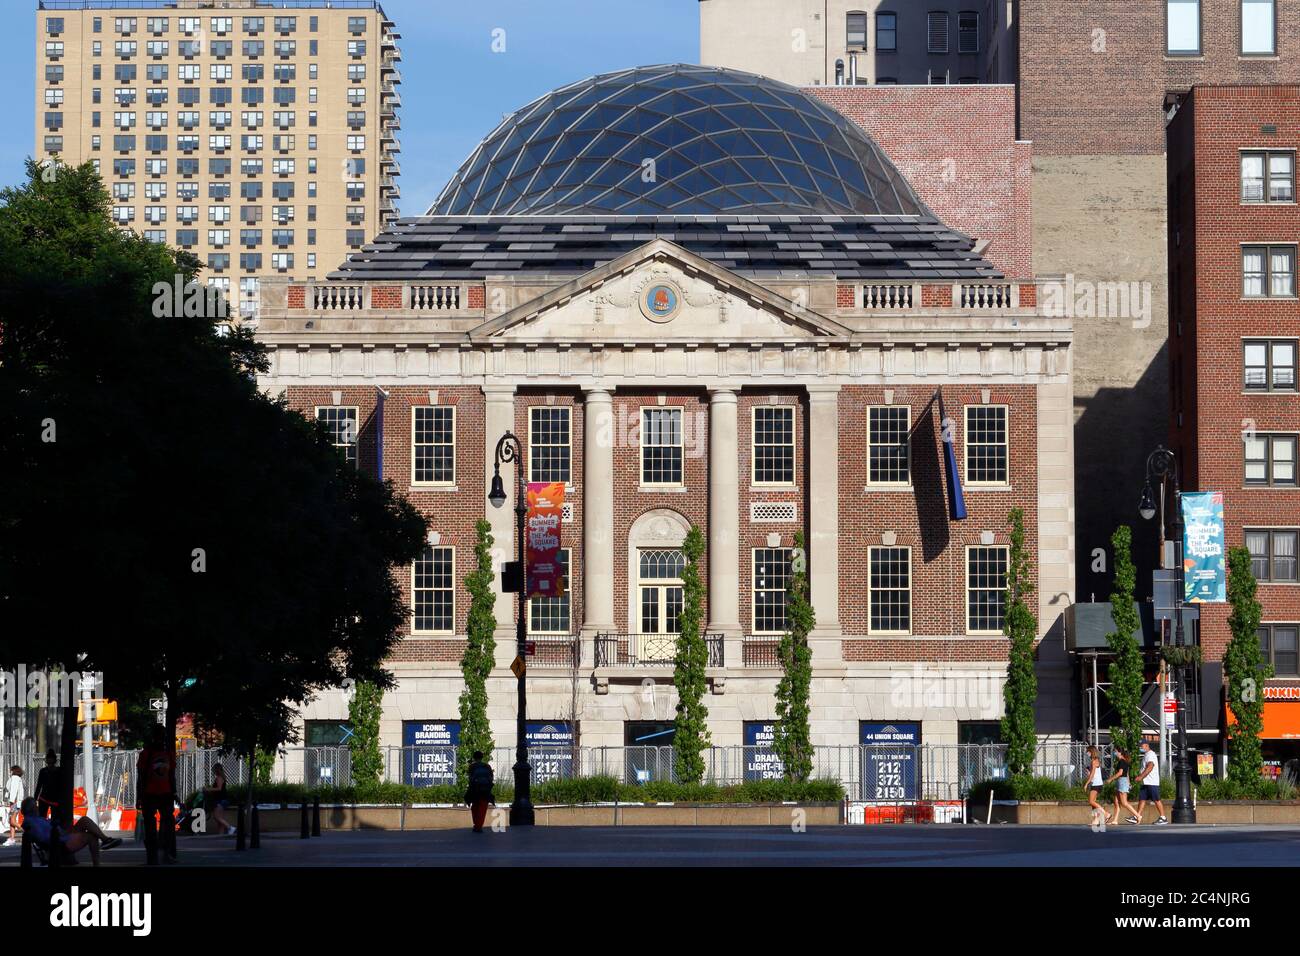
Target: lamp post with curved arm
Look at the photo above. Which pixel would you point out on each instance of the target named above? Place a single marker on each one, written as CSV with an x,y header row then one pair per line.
x,y
1162,466
509,450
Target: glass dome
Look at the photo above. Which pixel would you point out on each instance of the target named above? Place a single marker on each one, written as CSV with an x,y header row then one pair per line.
x,y
678,140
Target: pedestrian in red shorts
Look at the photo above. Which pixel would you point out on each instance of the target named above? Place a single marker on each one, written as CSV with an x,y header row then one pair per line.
x,y
479,792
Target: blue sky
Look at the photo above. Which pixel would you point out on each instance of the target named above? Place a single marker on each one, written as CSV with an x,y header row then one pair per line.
x,y
455,89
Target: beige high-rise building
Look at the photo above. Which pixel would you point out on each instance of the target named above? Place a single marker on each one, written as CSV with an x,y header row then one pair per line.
x,y
260,136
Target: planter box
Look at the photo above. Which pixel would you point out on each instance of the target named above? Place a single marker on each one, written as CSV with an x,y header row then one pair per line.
x,y
1211,812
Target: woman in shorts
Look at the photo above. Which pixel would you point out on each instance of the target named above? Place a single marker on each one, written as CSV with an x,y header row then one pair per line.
x,y
1121,780
1094,790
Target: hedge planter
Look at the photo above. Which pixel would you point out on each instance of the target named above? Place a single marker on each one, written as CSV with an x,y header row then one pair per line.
x,y
417,817
1211,812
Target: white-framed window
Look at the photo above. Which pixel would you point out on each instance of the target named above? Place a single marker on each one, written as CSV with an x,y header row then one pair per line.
x,y
773,444
1258,27
1267,176
662,451
219,237
1272,554
889,590
659,593
1183,27
341,420
551,615
986,584
771,577
889,449
433,444
937,32
433,593
987,445
356,143
1270,460
855,30
550,446
1269,365
1268,272
968,32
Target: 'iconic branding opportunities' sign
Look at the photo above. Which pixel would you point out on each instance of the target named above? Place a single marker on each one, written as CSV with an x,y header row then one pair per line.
x,y
1205,580
429,752
542,539
761,761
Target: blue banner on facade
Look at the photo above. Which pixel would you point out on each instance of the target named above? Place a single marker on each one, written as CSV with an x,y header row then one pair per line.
x,y
1205,578
761,761
889,767
550,749
429,754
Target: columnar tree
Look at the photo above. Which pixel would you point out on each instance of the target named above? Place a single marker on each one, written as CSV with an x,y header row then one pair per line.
x,y
1126,670
691,737
1246,670
792,738
1020,625
365,707
480,655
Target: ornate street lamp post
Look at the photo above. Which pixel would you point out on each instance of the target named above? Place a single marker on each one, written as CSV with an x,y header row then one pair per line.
x,y
508,449
1163,467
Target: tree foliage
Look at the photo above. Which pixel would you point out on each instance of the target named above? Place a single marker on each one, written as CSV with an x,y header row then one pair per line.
x,y
792,739
1020,625
202,528
1127,669
691,738
1245,670
479,656
365,708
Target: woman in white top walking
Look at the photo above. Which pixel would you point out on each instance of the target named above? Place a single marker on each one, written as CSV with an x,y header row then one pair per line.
x,y
14,794
1094,790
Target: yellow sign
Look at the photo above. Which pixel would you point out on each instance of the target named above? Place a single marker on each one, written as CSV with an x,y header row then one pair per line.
x,y
102,711
518,667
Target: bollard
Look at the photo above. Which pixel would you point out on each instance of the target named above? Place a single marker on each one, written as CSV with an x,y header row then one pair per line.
x,y
315,815
306,830
239,829
255,831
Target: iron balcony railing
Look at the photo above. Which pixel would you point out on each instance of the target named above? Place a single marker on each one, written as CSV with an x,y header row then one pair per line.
x,y
648,650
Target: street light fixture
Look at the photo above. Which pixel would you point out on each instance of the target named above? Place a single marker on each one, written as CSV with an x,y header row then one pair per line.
x,y
508,450
1163,467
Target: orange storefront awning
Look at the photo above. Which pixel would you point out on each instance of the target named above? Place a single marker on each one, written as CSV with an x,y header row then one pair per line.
x,y
1281,714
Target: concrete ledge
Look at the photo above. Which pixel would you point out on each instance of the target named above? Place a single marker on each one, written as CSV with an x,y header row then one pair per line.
x,y
1222,813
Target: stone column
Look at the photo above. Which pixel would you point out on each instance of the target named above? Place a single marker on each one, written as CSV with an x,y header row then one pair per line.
x,y
824,521
724,524
499,418
598,514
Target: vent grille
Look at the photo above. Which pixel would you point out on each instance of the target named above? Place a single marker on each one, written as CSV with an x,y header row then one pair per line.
x,y
772,511
566,513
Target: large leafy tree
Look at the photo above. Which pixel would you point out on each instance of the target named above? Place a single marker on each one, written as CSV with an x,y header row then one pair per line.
x,y
1246,670
1126,670
365,708
792,737
162,520
480,653
691,729
1020,625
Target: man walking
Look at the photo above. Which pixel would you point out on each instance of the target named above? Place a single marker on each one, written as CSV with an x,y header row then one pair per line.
x,y
156,794
479,792
49,790
1148,779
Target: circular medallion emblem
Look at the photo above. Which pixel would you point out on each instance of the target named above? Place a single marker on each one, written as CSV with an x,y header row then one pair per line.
x,y
661,301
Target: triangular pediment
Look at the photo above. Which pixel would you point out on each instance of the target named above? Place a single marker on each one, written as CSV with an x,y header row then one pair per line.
x,y
662,292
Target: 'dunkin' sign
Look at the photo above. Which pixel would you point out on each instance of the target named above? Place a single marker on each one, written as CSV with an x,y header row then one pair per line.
x,y
429,754
1204,576
889,767
550,749
761,761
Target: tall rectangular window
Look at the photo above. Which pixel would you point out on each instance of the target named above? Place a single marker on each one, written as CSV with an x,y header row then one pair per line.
x,y
889,594
986,582
342,425
987,448
1258,27
886,32
433,596
1267,176
1279,646
937,32
889,452
1268,272
1270,460
968,32
1183,27
434,444
773,445
1272,554
856,30
771,575
550,452
661,446
550,615
1269,365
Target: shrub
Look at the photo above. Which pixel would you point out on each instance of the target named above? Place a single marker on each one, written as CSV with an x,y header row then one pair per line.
x,y
1020,787
1260,788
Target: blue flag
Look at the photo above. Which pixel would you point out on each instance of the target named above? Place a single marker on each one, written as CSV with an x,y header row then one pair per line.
x,y
956,500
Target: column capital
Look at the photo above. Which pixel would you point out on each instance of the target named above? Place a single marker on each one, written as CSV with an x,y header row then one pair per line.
x,y
597,393
822,392
721,394
498,393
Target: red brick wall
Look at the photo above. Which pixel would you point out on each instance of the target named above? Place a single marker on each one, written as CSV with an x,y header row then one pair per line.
x,y
297,297
1215,318
957,146
844,296
477,297
936,297
386,297
918,516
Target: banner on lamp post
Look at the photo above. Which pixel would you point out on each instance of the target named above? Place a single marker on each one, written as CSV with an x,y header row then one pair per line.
x,y
1204,575
542,539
